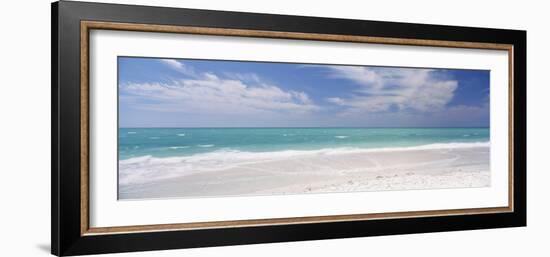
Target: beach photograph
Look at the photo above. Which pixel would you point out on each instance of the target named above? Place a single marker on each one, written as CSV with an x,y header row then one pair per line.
x,y
192,128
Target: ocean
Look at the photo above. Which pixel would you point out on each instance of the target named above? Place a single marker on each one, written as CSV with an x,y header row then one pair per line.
x,y
184,142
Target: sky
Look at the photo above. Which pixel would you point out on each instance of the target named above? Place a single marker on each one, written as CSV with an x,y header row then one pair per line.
x,y
156,92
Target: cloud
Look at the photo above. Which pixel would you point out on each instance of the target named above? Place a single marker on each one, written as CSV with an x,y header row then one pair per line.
x,y
245,77
336,100
211,93
179,67
393,89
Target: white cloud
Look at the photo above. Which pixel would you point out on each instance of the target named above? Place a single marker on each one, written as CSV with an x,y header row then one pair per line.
x,y
180,67
336,100
245,77
385,89
210,93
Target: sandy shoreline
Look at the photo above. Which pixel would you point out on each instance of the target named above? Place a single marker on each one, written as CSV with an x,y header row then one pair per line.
x,y
320,173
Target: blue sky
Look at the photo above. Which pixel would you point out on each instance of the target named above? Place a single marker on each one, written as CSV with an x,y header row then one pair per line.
x,y
155,92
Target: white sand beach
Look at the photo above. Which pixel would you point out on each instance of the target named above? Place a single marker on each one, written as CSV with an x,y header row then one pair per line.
x,y
317,171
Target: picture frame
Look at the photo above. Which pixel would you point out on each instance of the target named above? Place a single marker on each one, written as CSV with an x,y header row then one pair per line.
x,y
72,233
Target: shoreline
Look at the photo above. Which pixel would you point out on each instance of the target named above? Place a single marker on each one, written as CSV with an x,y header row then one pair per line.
x,y
437,166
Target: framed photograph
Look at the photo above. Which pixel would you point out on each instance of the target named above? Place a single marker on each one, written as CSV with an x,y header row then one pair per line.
x,y
178,128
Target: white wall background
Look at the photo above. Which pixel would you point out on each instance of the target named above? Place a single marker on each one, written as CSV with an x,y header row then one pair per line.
x,y
25,127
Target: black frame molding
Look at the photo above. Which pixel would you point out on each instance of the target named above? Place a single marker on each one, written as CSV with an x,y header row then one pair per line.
x,y
66,236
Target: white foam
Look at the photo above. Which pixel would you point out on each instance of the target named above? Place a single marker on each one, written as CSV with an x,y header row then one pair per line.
x,y
135,160
154,137
178,147
147,168
132,132
181,135
341,137
206,146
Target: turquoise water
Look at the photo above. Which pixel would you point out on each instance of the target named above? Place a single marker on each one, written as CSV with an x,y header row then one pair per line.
x,y
172,142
